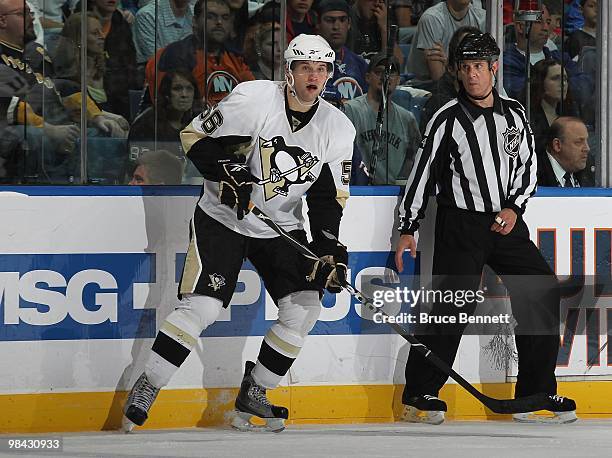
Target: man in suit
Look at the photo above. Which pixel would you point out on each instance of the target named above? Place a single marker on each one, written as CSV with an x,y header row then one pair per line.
x,y
567,150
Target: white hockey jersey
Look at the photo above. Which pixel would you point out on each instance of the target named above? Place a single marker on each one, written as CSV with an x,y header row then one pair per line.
x,y
285,161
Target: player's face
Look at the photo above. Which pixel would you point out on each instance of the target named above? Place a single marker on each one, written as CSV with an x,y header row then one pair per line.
x,y
554,90
181,94
309,79
375,78
334,27
476,76
574,147
140,177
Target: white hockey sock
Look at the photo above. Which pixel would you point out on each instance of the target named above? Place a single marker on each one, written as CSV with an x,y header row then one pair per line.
x,y
178,335
265,377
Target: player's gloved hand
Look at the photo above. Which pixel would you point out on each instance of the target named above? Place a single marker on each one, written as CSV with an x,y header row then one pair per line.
x,y
235,185
330,271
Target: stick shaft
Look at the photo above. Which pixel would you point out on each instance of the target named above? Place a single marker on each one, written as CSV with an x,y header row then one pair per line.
x,y
504,406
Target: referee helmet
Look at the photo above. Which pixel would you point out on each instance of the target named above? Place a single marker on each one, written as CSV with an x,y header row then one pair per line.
x,y
477,46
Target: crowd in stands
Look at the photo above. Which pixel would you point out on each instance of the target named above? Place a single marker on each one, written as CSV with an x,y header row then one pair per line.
x,y
150,66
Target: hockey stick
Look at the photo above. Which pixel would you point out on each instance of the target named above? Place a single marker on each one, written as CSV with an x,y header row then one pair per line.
x,y
503,406
285,173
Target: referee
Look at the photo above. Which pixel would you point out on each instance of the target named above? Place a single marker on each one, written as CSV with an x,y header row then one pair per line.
x,y
477,157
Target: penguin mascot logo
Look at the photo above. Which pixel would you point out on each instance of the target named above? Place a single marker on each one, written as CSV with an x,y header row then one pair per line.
x,y
283,165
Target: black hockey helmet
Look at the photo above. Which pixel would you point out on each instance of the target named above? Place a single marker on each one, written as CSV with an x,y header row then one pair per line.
x,y
477,46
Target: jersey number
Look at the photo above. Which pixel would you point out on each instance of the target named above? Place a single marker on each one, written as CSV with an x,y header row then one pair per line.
x,y
212,121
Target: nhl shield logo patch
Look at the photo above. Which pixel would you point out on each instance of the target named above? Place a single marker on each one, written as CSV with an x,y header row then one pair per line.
x,y
512,141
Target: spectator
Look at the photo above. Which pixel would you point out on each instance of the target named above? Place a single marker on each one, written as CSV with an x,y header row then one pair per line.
x,y
348,81
419,7
508,12
178,93
12,85
447,87
514,60
157,168
240,20
120,71
53,13
402,9
573,16
37,103
550,98
266,12
223,68
68,57
368,32
300,18
434,31
567,151
68,66
263,50
555,9
174,22
129,9
401,135
587,35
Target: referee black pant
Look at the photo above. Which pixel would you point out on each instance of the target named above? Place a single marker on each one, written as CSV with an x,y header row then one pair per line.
x,y
464,243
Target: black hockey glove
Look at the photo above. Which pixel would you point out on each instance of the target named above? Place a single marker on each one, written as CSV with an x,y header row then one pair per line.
x,y
330,272
235,185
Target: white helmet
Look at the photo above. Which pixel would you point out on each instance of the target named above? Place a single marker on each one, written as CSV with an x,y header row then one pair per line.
x,y
310,47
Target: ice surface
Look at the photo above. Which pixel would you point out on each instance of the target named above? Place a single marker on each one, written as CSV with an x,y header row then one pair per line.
x,y
455,439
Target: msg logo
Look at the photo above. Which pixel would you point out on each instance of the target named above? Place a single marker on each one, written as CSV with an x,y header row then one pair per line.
x,y
52,297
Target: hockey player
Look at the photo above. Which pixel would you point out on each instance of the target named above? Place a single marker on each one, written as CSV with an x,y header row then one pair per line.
x,y
478,157
266,143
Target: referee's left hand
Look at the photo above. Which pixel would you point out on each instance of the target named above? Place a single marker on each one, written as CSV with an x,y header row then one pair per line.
x,y
509,216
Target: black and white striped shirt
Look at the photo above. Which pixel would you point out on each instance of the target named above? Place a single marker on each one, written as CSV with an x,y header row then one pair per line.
x,y
477,159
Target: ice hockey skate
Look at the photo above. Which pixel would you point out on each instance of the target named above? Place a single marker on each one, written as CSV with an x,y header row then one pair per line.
x,y
252,402
138,403
424,409
563,411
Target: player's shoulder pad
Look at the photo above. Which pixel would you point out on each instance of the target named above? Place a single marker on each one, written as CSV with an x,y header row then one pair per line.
x,y
256,89
338,122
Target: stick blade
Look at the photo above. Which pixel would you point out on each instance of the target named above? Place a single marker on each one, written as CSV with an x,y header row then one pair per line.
x,y
525,404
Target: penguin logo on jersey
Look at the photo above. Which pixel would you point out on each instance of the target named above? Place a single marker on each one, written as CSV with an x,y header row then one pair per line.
x,y
512,141
216,281
284,165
